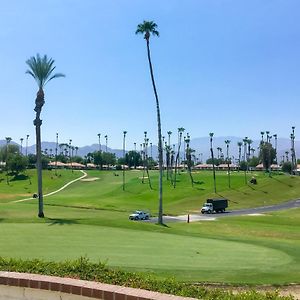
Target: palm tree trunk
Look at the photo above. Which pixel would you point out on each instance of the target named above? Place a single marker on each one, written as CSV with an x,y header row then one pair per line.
x,y
38,123
160,154
213,163
147,170
177,161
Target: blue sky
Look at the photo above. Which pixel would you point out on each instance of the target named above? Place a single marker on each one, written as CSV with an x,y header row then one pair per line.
x,y
229,67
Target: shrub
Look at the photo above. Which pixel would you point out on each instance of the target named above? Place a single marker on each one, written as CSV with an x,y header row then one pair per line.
x,y
83,269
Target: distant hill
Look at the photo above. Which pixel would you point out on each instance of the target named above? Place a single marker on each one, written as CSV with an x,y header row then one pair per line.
x,y
201,145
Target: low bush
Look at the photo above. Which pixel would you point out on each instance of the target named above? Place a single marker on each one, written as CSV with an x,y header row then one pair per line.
x,y
83,269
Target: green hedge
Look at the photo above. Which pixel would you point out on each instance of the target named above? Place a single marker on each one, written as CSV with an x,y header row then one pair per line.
x,y
83,269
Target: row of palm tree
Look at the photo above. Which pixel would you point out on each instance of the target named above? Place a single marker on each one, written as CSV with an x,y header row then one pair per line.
x,y
42,70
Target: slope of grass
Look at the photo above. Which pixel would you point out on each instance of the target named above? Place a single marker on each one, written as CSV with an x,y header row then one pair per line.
x,y
26,184
106,192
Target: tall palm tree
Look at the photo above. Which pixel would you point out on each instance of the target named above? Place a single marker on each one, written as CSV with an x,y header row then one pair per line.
x,y
70,154
106,137
8,140
262,135
135,155
189,152
249,142
169,137
147,28
275,137
151,150
245,140
211,134
56,149
177,159
218,149
21,148
240,144
42,70
99,136
124,136
27,137
294,160
287,155
227,142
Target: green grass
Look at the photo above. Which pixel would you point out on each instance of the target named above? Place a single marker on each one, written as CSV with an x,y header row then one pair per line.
x,y
237,250
106,192
27,185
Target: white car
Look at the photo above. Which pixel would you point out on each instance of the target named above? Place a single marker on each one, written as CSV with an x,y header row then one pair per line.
x,y
139,215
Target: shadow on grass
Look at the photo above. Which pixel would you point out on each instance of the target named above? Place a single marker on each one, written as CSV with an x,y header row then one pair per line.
x,y
162,225
52,222
19,177
227,198
276,179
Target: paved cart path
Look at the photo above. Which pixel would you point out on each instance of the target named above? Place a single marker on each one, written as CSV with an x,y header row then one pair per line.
x,y
54,192
241,212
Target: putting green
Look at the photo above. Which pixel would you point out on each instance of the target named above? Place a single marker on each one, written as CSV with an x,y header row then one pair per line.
x,y
134,248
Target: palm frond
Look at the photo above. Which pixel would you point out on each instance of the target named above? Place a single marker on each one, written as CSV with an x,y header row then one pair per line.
x,y
57,75
41,69
147,27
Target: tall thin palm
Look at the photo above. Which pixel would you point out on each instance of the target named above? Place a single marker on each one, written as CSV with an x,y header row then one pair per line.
x,y
275,136
124,137
8,140
42,70
180,132
147,28
240,144
227,142
213,160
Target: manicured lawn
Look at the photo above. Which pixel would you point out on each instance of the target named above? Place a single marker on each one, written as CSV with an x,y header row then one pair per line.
x,y
106,192
26,185
246,250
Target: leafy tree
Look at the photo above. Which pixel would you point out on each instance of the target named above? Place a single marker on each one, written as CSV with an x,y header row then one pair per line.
x,y
133,159
267,154
17,163
78,159
45,162
287,167
10,149
62,158
109,158
147,28
41,69
215,161
253,162
243,166
98,158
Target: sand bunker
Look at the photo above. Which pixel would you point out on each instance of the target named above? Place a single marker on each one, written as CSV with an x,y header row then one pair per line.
x,y
90,179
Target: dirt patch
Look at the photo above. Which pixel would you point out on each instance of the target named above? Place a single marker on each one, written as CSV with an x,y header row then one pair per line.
x,y
90,179
12,196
